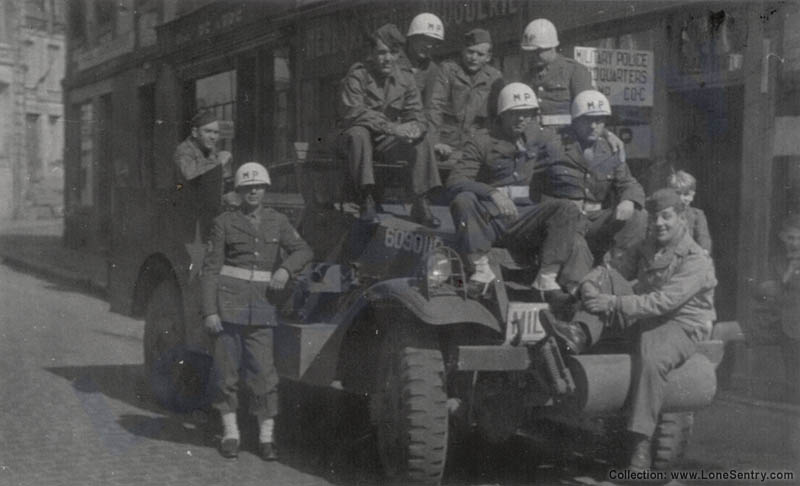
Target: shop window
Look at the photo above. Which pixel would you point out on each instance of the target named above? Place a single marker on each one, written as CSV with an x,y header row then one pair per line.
x,y
147,122
711,41
217,93
104,19
86,177
283,108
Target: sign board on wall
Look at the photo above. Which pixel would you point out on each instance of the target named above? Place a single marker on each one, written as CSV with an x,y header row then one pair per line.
x,y
625,76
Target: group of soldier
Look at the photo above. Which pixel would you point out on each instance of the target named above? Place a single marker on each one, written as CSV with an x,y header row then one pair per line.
x,y
534,169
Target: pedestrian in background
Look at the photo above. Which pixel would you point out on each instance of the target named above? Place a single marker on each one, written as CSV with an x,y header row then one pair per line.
x,y
242,277
686,185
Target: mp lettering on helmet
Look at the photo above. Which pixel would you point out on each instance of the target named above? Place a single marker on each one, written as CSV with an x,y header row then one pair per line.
x,y
517,97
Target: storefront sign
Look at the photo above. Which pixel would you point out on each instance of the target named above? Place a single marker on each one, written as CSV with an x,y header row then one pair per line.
x,y
624,76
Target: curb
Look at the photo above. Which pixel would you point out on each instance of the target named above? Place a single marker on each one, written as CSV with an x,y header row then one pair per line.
x,y
41,268
781,407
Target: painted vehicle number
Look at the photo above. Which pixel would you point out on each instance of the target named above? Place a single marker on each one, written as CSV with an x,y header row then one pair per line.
x,y
411,241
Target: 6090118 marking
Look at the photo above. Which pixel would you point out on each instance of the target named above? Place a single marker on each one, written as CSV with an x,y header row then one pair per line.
x,y
411,241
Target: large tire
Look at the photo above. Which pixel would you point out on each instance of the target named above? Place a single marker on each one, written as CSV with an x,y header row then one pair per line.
x,y
410,410
671,438
177,379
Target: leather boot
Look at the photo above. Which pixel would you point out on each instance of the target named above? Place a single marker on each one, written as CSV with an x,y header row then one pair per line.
x,y
368,210
421,213
268,451
640,453
571,335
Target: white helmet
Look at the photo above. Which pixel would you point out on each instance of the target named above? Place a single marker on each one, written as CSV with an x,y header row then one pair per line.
x,y
251,174
590,103
539,34
426,24
516,96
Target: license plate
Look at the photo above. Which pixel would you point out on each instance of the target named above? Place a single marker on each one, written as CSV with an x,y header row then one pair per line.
x,y
523,325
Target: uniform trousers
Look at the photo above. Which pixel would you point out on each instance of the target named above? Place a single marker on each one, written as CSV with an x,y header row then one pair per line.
x,y
244,354
663,344
604,232
362,148
549,230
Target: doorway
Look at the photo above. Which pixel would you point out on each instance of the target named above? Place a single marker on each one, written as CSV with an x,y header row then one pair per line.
x,y
706,127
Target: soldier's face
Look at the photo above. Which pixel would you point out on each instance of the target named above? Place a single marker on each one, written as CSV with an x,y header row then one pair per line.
x,y
421,46
475,57
252,196
589,128
514,122
542,57
791,240
207,135
384,58
665,225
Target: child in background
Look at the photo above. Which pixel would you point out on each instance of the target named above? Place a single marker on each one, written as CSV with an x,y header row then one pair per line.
x,y
685,185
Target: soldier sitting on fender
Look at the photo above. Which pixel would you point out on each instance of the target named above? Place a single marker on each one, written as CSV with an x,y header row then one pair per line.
x,y
382,116
671,302
460,99
242,272
556,79
579,166
491,201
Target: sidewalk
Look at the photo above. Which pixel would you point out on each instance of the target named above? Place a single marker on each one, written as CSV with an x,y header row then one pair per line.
x,y
37,246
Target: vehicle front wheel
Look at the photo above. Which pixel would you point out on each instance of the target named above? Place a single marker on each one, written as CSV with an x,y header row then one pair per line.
x,y
410,410
177,378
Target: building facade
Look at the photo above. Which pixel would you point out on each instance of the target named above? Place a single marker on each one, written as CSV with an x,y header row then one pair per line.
x,y
717,96
32,55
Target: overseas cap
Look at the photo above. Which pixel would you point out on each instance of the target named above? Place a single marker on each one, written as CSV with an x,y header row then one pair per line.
x,y
203,118
663,199
477,36
390,35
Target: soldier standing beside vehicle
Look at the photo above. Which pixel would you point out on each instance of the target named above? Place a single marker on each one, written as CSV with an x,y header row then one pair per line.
x,y
461,93
579,166
671,302
557,80
202,170
381,114
242,275
490,184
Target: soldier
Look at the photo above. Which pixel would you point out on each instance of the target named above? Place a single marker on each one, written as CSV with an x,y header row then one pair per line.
x,y
425,33
461,93
492,204
200,166
671,302
242,275
557,80
579,166
382,116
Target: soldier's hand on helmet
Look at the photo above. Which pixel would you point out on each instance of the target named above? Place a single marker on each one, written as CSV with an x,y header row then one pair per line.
x,y
617,145
279,279
506,206
443,150
213,324
624,211
600,303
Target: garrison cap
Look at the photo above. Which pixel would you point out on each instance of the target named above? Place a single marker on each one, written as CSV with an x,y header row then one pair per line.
x,y
202,118
663,199
390,35
477,36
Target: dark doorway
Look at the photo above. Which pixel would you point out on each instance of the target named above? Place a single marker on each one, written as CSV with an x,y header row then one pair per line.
x,y
105,163
706,125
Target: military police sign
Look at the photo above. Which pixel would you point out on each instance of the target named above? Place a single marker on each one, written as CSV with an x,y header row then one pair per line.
x,y
624,76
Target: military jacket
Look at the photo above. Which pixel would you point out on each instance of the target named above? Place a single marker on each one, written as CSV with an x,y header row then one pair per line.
x,y
424,76
490,160
557,84
237,242
460,102
191,161
564,172
673,283
698,227
365,100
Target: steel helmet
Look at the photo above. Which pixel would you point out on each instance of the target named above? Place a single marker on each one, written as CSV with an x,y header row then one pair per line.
x,y
516,96
590,103
539,34
251,174
426,24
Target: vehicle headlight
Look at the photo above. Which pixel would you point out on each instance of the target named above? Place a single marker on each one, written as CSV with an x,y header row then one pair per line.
x,y
438,268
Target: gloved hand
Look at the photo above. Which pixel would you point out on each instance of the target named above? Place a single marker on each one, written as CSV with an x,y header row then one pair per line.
x,y
624,211
506,206
213,324
600,303
279,279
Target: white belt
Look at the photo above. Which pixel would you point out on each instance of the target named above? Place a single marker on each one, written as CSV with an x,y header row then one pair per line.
x,y
515,192
550,120
245,274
